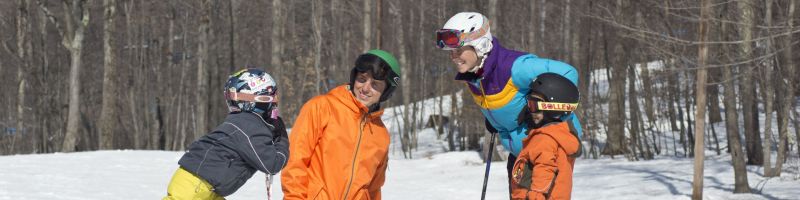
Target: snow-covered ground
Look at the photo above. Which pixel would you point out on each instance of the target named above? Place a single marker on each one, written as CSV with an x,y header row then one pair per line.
x,y
455,175
432,174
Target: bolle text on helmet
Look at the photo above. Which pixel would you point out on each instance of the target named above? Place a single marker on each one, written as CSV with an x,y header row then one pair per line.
x,y
556,106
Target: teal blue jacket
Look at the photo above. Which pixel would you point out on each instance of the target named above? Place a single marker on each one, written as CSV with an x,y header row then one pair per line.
x,y
499,89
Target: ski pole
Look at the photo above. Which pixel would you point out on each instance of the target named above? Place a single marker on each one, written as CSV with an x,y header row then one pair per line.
x,y
269,185
488,165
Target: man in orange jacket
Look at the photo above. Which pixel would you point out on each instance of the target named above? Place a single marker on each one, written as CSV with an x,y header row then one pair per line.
x,y
339,145
544,167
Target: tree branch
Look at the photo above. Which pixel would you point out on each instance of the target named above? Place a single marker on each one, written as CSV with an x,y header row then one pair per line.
x,y
672,39
54,20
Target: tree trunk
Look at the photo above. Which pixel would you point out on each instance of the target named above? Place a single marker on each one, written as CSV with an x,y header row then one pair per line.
x,y
689,131
633,108
171,61
714,112
732,127
377,32
316,21
367,25
394,10
699,155
276,38
637,134
492,7
108,113
788,94
201,97
731,122
232,33
616,102
746,85
76,17
25,55
542,20
531,45
648,93
768,92
46,145
797,130
451,144
565,52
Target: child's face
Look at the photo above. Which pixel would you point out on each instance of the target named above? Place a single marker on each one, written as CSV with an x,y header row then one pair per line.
x,y
537,117
465,58
368,90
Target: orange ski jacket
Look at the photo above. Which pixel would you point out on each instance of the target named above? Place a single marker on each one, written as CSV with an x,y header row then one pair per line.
x,y
338,150
544,167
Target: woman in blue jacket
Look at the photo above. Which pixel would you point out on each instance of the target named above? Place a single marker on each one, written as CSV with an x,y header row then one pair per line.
x,y
498,78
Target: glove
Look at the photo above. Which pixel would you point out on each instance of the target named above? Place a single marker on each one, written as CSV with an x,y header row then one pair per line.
x,y
278,130
489,126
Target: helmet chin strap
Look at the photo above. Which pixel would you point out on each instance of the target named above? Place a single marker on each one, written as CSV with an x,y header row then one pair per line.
x,y
482,48
479,66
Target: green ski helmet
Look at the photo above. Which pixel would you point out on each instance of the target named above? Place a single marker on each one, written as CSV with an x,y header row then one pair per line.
x,y
383,66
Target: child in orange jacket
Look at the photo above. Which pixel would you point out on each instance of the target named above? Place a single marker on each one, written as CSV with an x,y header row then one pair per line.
x,y
544,167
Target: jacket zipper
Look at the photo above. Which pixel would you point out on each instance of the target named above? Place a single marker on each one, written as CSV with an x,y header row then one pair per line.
x,y
486,101
355,155
552,183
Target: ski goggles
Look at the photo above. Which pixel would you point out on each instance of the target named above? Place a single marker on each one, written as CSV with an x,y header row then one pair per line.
x,y
237,96
449,39
537,104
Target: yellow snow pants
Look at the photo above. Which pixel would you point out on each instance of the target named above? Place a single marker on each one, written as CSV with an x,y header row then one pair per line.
x,y
187,186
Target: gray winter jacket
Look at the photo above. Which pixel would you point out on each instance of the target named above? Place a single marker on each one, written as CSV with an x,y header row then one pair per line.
x,y
235,149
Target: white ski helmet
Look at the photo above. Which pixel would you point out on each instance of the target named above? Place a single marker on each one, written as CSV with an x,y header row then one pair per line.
x,y
474,30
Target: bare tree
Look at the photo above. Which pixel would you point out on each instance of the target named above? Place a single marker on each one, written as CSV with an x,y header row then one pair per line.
x,y
201,98
24,54
768,93
367,25
405,133
633,107
616,103
746,85
76,19
276,37
732,127
786,103
699,150
316,21
532,31
108,113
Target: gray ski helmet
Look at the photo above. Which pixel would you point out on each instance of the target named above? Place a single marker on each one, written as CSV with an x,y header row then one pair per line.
x,y
251,90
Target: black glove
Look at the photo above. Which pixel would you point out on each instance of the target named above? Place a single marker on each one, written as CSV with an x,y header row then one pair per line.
x,y
489,126
278,130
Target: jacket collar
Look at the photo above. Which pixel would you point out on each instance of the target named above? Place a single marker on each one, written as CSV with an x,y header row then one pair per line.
x,y
343,95
244,120
561,134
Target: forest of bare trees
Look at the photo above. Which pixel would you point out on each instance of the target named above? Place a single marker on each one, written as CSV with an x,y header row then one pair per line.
x,y
120,74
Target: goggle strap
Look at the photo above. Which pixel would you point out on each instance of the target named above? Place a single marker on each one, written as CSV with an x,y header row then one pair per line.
x,y
479,33
556,106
